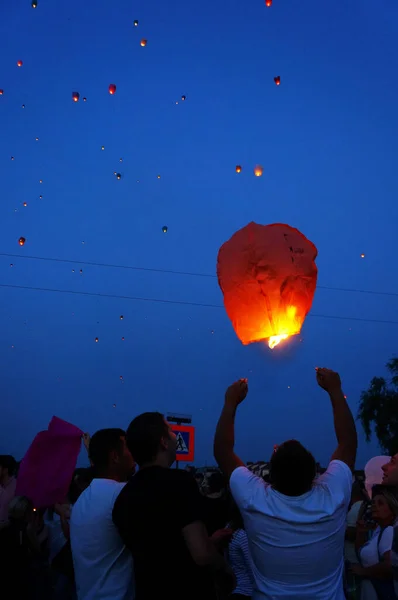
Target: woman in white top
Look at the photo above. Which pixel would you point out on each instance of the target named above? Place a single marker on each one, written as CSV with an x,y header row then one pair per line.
x,y
375,555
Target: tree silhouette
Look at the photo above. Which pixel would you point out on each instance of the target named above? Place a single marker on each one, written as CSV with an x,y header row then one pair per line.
x,y
378,410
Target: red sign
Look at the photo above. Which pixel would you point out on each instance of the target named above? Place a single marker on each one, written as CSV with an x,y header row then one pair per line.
x,y
185,442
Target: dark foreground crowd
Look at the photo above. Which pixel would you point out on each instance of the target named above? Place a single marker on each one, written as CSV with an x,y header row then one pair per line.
x,y
157,533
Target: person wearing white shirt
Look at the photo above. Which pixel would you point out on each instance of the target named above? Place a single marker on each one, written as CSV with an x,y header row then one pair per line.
x,y
374,554
296,524
103,565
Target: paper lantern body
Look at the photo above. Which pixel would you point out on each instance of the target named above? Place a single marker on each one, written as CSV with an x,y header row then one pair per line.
x,y
267,274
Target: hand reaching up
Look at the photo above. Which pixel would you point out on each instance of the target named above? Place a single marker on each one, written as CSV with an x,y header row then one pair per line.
x,y
236,392
328,380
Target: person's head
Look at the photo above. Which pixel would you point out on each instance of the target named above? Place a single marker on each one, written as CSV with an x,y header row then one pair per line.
x,y
109,455
82,478
384,505
151,440
20,510
390,471
215,484
292,469
8,465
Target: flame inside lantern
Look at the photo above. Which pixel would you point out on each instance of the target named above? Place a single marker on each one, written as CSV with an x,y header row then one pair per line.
x,y
287,326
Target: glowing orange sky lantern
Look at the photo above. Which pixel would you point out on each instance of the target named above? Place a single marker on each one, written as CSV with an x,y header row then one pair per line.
x,y
112,89
143,43
21,241
238,168
1,92
267,274
19,63
277,80
268,3
258,170
75,96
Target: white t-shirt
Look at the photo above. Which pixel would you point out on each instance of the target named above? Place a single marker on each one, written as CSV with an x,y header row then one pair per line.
x,y
103,565
369,554
296,543
352,518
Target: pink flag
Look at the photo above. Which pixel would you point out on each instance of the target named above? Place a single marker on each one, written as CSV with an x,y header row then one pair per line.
x,y
47,468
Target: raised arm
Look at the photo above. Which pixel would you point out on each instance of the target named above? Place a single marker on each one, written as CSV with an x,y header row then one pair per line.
x,y
344,424
224,440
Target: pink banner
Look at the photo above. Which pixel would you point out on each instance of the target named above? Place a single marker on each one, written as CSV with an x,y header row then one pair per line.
x,y
47,468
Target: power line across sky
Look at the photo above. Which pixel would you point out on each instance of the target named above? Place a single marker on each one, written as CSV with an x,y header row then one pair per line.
x,y
175,272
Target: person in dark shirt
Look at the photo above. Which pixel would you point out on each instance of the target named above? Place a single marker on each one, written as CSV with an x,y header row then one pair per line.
x,y
216,503
159,517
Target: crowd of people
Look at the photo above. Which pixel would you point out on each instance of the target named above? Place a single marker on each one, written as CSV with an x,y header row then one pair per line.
x,y
133,528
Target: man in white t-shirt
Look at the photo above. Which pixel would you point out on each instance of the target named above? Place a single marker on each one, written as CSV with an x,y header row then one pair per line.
x,y
296,524
103,565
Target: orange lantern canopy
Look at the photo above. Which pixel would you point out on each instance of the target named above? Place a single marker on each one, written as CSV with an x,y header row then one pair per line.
x,y
267,274
268,3
75,96
19,63
1,92
21,241
238,168
143,43
258,170
277,80
112,88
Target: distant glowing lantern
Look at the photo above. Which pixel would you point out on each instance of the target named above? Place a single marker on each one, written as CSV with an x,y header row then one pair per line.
x,y
19,63
122,339
84,99
362,256
75,96
238,168
121,377
37,139
12,158
165,228
268,276
114,405
1,92
21,241
144,43
120,160
136,23
96,339
34,3
258,170
121,317
102,147
277,80
158,176
25,204
268,3
112,89
23,105
183,98
118,175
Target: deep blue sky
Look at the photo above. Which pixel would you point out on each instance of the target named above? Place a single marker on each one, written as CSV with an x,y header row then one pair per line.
x,y
327,138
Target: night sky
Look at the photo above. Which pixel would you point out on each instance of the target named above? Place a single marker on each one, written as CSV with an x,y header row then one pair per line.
x,y
327,139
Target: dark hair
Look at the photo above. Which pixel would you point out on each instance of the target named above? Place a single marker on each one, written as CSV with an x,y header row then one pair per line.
x,y
292,469
215,483
82,478
8,462
102,444
144,435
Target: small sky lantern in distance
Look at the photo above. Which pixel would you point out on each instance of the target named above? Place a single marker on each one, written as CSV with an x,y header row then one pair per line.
x,y
19,63
136,23
165,228
118,175
268,3
277,80
96,340
102,147
121,317
84,99
112,89
75,96
183,98
238,168
21,241
144,43
362,256
1,92
34,3
258,170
